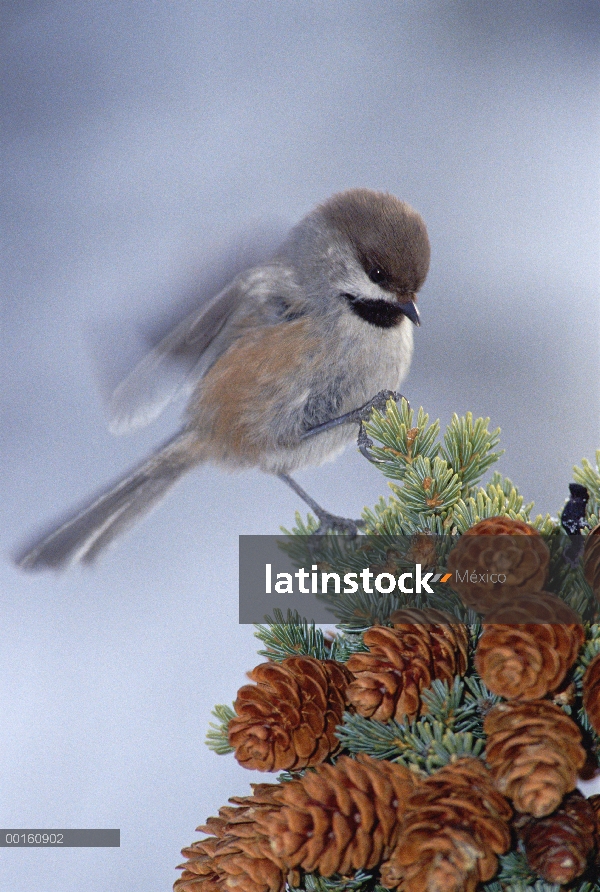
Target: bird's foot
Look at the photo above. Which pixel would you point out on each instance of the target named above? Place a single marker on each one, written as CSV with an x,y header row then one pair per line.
x,y
356,416
331,523
379,402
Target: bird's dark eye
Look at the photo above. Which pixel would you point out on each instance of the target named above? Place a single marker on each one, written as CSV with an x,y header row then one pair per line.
x,y
377,275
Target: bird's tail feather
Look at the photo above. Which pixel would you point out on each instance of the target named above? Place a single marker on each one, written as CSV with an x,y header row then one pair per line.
x,y
90,529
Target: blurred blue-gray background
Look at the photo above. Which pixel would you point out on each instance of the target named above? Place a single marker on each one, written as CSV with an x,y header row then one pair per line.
x,y
139,141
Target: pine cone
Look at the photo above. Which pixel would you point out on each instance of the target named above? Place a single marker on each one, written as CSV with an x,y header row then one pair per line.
x,y
558,846
455,825
237,856
287,720
494,549
339,818
402,661
526,649
423,550
199,872
594,801
591,560
591,693
534,752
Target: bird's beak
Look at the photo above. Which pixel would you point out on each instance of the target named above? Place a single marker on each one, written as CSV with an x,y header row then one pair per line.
x,y
409,308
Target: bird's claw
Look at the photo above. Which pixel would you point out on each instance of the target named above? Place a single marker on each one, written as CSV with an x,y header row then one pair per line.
x,y
332,523
379,402
364,443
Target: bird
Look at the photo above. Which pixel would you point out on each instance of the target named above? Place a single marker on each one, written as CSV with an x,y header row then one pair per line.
x,y
278,366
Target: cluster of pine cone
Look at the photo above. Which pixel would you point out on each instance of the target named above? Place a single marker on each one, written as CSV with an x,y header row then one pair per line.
x,y
443,832
436,833
287,719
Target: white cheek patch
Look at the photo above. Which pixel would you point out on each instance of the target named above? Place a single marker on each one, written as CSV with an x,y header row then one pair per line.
x,y
372,291
352,278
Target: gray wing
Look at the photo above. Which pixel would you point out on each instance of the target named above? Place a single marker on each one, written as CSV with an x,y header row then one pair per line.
x,y
175,364
263,295
184,355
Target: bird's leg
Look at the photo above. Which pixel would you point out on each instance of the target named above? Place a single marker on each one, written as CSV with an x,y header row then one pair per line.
x,y
327,521
358,416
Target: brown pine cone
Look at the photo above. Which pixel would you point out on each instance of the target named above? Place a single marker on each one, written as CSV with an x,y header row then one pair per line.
x,y
534,607
594,801
402,661
591,560
422,550
534,752
455,825
497,559
591,693
339,818
526,649
558,846
237,856
199,871
287,720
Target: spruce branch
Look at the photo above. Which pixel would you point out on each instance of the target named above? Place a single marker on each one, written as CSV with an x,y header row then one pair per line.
x,y
217,737
425,745
593,518
401,441
302,529
437,491
392,518
544,524
345,644
591,649
505,484
480,698
480,507
499,496
312,882
360,610
468,448
293,636
589,477
449,706
565,572
576,593
381,518
430,487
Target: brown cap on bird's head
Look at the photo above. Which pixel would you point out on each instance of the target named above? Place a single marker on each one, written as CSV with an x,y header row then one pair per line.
x,y
389,237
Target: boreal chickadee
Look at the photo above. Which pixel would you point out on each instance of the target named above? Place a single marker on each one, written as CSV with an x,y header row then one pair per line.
x,y
288,346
